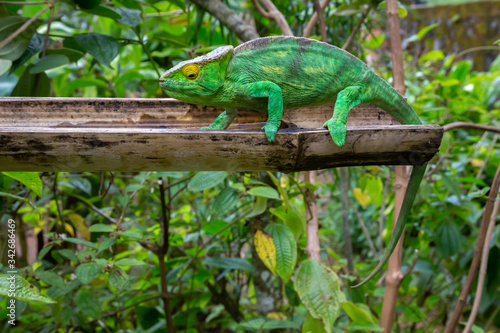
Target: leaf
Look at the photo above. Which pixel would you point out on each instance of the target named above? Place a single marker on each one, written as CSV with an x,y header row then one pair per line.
x,y
4,66
361,196
71,86
448,239
357,314
23,290
15,49
375,42
72,54
88,304
296,223
312,325
224,202
206,179
130,262
102,47
266,250
228,263
29,179
50,278
425,30
35,45
108,242
129,76
286,250
44,251
88,272
259,207
32,85
118,278
68,254
130,17
432,55
49,62
81,242
101,228
319,291
104,12
264,191
87,4
413,314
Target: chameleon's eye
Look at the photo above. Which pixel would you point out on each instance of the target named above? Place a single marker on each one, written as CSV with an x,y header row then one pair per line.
x,y
191,71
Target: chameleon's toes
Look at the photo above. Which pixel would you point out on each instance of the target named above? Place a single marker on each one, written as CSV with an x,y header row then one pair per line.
x,y
270,130
337,131
206,128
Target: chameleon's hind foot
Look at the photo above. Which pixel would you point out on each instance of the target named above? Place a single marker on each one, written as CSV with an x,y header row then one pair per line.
x,y
270,130
337,131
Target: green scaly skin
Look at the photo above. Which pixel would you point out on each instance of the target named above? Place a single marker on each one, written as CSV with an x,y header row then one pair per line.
x,y
273,74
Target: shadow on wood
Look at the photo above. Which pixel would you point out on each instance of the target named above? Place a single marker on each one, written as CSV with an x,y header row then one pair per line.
x,y
108,134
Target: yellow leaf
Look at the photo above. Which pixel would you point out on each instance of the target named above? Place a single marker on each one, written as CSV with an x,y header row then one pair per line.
x,y
362,197
277,316
266,250
79,224
476,162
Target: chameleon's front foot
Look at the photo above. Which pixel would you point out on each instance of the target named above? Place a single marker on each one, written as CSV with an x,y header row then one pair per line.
x,y
207,128
337,131
270,130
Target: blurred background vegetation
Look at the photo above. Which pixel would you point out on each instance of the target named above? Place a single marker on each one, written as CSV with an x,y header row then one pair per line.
x,y
94,242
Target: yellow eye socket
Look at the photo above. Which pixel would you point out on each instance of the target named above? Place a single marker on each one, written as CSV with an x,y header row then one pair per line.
x,y
191,71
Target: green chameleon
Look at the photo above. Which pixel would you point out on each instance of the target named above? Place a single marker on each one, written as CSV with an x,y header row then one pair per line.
x,y
275,73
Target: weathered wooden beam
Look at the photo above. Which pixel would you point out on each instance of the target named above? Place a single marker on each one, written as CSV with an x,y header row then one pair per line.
x,y
77,134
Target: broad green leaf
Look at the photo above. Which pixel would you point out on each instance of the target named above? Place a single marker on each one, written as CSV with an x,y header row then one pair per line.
x,y
374,42
49,62
130,262
414,314
319,290
35,45
16,48
4,66
448,239
88,304
72,54
224,202
266,250
264,191
214,227
130,17
87,4
206,179
44,251
70,254
286,250
259,207
29,179
118,278
101,228
81,242
50,278
88,272
425,30
129,76
32,85
296,223
23,290
277,324
312,325
104,12
102,47
108,242
228,263
71,86
432,55
358,314
364,326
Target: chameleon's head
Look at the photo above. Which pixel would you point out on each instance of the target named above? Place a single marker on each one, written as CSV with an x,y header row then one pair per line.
x,y
194,81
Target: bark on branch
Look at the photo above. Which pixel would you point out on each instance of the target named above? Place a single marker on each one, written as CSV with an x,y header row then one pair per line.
x,y
229,18
274,14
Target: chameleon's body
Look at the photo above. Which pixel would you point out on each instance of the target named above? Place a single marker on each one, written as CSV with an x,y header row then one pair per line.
x,y
276,73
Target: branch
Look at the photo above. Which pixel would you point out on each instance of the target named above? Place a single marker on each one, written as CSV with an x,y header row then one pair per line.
x,y
345,218
354,31
24,26
312,247
463,124
457,313
410,269
321,19
381,224
46,40
314,19
483,268
274,14
22,2
229,18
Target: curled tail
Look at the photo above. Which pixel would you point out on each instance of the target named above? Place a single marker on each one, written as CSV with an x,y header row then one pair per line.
x,y
411,191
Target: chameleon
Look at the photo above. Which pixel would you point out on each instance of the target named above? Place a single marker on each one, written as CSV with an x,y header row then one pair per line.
x,y
272,74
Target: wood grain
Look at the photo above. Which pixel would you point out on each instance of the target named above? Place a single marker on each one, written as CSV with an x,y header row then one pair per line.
x,y
77,134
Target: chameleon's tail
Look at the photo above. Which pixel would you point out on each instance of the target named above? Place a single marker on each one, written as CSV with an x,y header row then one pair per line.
x,y
416,177
386,97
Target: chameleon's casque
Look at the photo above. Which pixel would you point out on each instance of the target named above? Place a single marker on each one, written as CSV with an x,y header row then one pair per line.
x,y
273,74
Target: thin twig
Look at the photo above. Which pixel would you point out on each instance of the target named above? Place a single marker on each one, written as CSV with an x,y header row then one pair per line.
x,y
354,31
463,124
321,20
488,155
314,19
410,269
483,268
24,26
130,306
46,40
23,3
261,10
457,313
274,14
